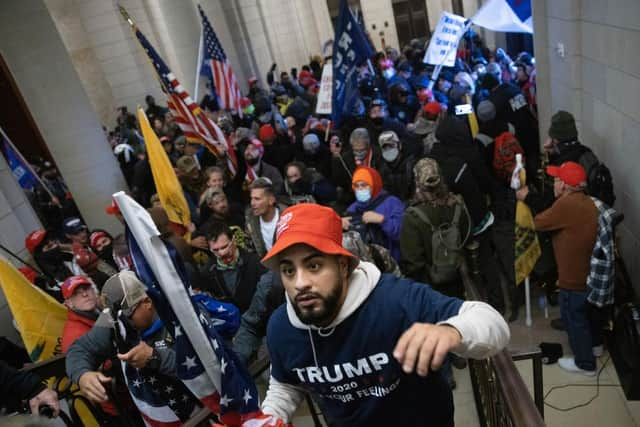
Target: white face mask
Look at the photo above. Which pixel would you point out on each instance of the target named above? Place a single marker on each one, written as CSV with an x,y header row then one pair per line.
x,y
390,154
363,195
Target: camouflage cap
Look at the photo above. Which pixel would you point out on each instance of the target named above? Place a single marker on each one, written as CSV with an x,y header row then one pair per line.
x,y
427,173
352,241
186,164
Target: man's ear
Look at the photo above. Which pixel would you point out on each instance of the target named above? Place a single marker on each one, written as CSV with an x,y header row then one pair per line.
x,y
343,265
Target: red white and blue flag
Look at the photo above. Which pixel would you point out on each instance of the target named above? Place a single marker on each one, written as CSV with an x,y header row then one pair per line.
x,y
204,364
215,65
195,125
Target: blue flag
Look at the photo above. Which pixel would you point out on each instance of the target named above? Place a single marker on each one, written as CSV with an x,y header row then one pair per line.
x,y
21,171
350,49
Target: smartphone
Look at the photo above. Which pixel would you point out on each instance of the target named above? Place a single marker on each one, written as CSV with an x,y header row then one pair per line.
x,y
463,109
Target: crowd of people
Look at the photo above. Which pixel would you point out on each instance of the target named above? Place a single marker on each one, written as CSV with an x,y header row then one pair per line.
x,y
316,212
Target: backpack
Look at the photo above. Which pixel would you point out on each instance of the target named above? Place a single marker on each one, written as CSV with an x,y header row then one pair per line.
x,y
599,179
370,233
504,155
446,245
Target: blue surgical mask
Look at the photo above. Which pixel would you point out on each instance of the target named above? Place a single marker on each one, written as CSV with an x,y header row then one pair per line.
x,y
363,195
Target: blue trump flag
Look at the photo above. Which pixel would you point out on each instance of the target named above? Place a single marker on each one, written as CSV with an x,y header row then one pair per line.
x,y
350,49
20,169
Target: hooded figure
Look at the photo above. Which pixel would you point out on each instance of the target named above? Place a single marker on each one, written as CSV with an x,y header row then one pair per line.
x,y
463,168
375,214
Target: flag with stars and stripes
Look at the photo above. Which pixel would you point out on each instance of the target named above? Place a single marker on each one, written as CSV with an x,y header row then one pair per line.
x,y
216,66
204,364
195,125
162,401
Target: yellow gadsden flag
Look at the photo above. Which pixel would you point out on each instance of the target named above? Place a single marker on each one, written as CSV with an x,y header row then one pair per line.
x,y
39,317
167,184
527,245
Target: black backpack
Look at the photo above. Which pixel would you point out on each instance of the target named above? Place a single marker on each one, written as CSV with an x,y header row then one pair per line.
x,y
370,233
599,179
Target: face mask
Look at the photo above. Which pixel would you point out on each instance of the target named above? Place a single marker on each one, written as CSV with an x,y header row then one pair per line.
x,y
299,187
364,195
249,110
377,121
107,252
388,73
359,155
310,148
253,161
390,154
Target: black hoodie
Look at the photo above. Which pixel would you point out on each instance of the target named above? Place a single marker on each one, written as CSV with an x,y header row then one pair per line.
x,y
462,165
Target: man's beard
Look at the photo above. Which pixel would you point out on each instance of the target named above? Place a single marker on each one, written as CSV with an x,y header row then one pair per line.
x,y
319,316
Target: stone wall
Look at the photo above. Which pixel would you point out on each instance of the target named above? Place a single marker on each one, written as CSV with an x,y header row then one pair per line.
x,y
47,80
587,62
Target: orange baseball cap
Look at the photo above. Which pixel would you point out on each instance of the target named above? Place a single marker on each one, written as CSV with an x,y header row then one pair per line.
x,y
571,173
317,226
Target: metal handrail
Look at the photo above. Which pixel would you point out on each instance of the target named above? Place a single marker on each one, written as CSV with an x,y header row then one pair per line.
x,y
502,398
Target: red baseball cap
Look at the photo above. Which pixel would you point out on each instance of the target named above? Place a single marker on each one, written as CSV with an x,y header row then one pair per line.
x,y
95,236
70,285
571,173
34,239
432,108
317,226
113,208
266,132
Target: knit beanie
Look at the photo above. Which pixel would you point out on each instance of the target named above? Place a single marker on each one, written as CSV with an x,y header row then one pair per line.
x,y
563,127
486,111
371,177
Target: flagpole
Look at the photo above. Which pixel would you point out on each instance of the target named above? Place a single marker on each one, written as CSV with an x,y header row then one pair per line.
x,y
126,16
27,164
198,64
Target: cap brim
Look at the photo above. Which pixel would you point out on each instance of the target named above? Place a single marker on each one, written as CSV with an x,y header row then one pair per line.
x,y
322,244
71,289
553,171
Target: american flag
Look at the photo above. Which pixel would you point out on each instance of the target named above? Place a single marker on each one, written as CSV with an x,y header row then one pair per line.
x,y
161,400
216,66
205,365
195,125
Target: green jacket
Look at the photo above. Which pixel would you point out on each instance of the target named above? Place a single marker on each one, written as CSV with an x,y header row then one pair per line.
x,y
416,235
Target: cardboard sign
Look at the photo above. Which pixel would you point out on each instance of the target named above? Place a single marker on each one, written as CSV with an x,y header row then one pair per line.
x,y
323,105
444,41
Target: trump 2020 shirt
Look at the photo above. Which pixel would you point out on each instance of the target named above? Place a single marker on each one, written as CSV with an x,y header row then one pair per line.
x,y
350,368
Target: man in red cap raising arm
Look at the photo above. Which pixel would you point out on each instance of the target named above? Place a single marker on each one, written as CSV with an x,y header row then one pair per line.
x,y
367,344
573,218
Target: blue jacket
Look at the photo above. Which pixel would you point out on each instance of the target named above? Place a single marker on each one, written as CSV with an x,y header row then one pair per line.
x,y
393,210
351,368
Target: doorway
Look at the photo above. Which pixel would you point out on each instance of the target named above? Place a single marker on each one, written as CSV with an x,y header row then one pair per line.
x,y
412,21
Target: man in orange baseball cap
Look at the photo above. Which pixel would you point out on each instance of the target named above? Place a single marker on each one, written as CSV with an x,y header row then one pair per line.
x,y
573,219
362,341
